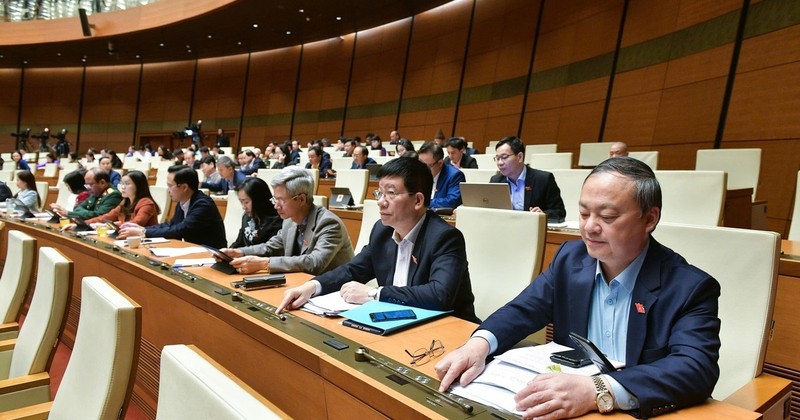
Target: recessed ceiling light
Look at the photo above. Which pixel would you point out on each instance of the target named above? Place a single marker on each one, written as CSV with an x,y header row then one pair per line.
x,y
83,60
338,18
288,32
209,37
58,54
255,25
308,19
188,51
26,61
138,56
188,46
301,10
239,43
2,56
161,44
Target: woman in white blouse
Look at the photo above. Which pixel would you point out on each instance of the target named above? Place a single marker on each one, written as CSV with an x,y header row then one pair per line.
x,y
27,191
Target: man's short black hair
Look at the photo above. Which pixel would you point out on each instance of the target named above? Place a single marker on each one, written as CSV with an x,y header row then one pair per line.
x,y
209,159
183,174
513,142
457,142
431,147
416,176
203,149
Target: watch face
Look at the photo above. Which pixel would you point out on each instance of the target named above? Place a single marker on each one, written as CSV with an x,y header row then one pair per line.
x,y
605,402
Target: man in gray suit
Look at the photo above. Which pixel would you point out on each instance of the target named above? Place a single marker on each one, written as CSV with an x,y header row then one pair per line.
x,y
311,240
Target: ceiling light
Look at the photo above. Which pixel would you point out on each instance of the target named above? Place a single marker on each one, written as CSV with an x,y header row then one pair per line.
x,y
301,10
161,44
308,19
288,32
138,56
338,18
239,43
188,46
255,25
26,61
188,51
209,37
58,54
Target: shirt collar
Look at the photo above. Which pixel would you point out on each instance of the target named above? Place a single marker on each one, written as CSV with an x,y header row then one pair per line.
x,y
412,234
627,278
521,177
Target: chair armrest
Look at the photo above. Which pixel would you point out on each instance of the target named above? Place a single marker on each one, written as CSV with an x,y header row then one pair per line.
x,y
32,412
9,344
24,382
761,393
8,327
24,391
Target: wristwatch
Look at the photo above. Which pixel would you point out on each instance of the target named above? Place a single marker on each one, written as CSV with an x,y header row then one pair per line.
x,y
603,398
373,293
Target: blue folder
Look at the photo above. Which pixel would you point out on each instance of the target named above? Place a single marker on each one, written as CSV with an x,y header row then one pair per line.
x,y
359,318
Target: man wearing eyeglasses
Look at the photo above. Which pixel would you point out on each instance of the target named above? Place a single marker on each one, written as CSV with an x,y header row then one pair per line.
x,y
417,258
531,189
446,178
196,216
312,239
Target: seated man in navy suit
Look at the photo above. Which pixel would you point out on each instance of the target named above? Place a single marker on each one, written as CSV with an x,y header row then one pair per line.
x,y
229,177
417,258
530,189
361,158
446,178
196,218
637,300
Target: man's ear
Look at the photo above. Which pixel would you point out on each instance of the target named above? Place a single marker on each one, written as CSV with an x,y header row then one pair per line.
x,y
653,216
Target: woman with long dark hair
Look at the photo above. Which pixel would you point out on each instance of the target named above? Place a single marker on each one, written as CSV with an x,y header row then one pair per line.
x,y
137,205
260,221
27,191
284,156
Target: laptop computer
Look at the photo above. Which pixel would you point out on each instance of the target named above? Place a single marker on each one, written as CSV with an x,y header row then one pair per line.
x,y
486,195
340,197
373,169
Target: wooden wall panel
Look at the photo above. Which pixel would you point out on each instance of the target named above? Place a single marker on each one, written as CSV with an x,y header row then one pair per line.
x,y
377,79
166,97
9,107
323,89
109,107
218,94
693,12
435,65
270,94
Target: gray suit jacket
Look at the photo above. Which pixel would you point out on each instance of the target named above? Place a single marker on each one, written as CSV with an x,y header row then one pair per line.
x,y
326,245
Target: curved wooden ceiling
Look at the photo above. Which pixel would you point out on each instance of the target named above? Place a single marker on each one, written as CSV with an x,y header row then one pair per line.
x,y
174,30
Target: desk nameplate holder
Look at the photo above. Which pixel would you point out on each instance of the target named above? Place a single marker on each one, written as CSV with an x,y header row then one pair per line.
x,y
423,390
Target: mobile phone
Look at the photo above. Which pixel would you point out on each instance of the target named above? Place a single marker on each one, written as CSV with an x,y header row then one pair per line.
x,y
571,358
392,315
260,282
593,353
111,226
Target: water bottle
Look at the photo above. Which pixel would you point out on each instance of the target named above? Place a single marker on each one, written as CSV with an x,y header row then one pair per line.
x,y
10,207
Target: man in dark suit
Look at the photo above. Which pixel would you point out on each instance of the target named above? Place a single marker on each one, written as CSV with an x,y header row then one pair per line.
x,y
223,140
638,301
252,163
361,158
417,258
457,154
229,177
530,189
196,217
446,178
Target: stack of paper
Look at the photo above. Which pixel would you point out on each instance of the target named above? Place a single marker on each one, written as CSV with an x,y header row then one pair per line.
x,y
331,304
509,372
177,252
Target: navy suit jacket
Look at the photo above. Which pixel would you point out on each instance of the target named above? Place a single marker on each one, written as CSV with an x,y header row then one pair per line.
x,y
672,348
369,161
222,186
467,161
438,277
541,191
324,165
448,190
202,225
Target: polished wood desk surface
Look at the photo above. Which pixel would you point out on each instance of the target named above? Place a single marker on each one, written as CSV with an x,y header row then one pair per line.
x,y
357,386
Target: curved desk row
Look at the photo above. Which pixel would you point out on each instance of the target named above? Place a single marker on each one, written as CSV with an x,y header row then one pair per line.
x,y
287,361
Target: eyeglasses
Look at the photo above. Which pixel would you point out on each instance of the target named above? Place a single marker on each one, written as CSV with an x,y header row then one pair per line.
x,y
389,195
504,158
281,201
422,356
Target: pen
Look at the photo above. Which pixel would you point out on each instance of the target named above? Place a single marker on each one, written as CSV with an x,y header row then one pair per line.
x,y
187,265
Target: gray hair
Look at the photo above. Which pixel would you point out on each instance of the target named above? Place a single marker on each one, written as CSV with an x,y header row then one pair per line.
x,y
647,190
297,181
225,161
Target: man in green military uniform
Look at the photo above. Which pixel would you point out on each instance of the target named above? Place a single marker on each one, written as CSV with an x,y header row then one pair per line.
x,y
103,199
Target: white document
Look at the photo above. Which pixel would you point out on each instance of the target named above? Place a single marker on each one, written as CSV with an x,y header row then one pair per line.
x,y
145,241
177,252
193,262
331,304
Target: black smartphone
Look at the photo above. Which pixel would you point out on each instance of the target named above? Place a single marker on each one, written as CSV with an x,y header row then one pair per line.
x,y
593,353
392,315
219,254
571,358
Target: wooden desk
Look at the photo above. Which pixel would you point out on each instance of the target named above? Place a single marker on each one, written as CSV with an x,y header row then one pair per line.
x,y
286,361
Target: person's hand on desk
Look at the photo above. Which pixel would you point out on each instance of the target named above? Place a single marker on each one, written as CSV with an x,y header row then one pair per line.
x,y
58,209
467,361
557,396
232,252
250,264
131,229
535,210
297,297
355,292
67,227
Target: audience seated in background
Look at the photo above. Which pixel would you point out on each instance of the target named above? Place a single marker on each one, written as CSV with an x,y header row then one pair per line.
x,y
196,218
114,176
284,156
208,164
618,149
229,177
403,146
316,161
417,258
251,163
638,301
311,239
349,147
376,144
27,193
137,205
446,178
531,189
77,187
103,197
457,154
260,221
22,164
361,158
